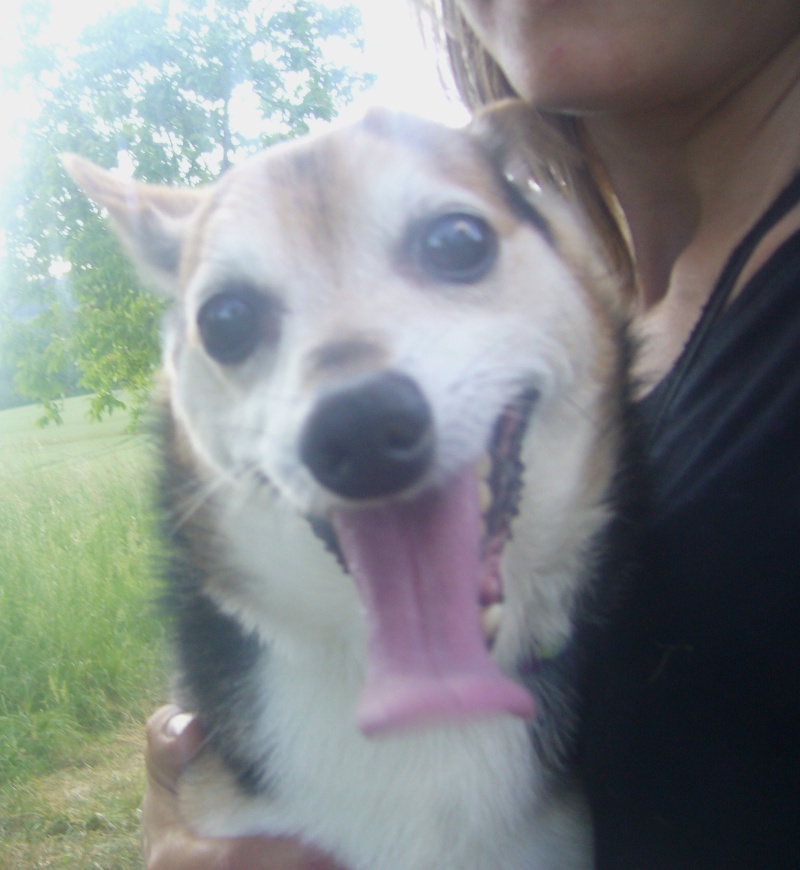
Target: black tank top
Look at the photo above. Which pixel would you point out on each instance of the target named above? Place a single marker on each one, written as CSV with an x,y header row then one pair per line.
x,y
691,745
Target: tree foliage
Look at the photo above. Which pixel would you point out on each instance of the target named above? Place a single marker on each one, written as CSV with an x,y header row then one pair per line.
x,y
157,83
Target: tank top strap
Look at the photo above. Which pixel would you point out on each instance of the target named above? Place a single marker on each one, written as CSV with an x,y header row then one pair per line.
x,y
786,200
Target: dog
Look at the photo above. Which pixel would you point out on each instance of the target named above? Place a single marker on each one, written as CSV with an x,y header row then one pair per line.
x,y
395,417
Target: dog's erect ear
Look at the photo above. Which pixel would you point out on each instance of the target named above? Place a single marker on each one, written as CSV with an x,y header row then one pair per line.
x,y
512,138
523,147
152,220
507,133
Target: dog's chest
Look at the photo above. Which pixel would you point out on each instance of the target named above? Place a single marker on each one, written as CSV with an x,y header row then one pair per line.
x,y
462,796
467,796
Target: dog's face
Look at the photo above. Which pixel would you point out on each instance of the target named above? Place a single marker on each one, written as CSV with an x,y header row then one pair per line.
x,y
413,353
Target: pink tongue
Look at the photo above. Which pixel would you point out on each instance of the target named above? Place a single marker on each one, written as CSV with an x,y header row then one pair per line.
x,y
417,567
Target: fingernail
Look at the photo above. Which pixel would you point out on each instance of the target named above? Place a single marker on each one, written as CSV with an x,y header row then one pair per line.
x,y
177,724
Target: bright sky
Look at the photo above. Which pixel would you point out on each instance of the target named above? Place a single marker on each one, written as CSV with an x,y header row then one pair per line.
x,y
407,78
406,69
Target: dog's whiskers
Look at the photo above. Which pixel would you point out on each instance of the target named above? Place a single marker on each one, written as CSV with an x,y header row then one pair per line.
x,y
192,498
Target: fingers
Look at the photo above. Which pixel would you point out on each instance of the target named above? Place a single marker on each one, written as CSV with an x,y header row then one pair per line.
x,y
173,739
278,853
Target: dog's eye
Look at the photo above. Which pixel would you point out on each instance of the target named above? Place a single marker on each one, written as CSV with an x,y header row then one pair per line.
x,y
459,248
231,325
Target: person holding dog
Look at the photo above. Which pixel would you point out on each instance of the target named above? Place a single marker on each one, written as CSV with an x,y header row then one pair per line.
x,y
673,125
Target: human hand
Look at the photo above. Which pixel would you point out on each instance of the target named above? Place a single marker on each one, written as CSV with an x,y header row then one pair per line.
x,y
173,739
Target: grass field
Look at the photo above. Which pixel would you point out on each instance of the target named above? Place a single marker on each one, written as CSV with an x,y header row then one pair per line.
x,y
82,658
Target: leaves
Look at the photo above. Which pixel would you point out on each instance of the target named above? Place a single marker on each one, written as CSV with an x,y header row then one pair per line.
x,y
158,86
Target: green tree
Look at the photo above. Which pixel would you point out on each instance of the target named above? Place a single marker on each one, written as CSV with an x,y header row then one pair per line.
x,y
156,85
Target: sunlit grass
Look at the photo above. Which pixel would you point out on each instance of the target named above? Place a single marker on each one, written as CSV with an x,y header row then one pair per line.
x,y
82,656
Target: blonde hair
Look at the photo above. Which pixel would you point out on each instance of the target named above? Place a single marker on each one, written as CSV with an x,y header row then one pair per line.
x,y
559,156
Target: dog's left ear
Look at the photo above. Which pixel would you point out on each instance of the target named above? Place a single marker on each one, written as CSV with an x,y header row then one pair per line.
x,y
508,133
525,148
152,220
519,145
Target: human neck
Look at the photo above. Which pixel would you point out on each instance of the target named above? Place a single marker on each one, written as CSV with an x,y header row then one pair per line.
x,y
692,178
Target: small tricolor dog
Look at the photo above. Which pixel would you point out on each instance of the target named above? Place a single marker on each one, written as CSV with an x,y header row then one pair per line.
x,y
395,379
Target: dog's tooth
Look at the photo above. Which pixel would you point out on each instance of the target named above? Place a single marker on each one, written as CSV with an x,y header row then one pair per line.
x,y
491,617
483,467
484,496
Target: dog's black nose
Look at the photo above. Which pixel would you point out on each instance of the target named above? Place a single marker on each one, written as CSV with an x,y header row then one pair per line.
x,y
370,440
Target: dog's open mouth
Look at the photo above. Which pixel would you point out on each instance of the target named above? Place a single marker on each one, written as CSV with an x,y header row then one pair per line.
x,y
500,486
428,572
